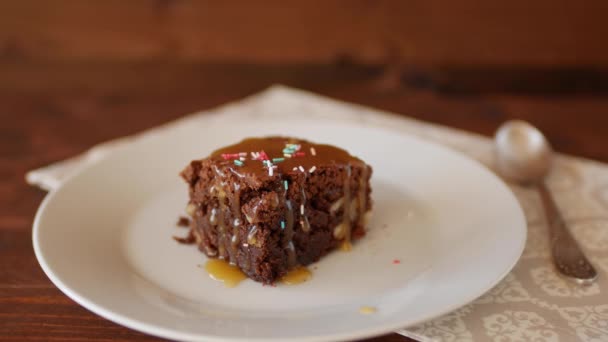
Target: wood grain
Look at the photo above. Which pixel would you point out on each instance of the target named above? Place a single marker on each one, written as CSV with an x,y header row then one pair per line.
x,y
53,110
463,33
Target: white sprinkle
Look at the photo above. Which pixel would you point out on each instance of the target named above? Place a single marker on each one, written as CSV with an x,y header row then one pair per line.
x,y
313,151
287,155
242,154
301,209
301,168
270,171
242,158
245,245
295,168
255,155
312,169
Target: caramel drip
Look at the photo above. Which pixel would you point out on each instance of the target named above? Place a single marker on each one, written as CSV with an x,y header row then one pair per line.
x,y
288,234
213,218
296,276
221,196
236,223
251,241
218,217
220,193
362,196
251,236
346,219
303,217
224,272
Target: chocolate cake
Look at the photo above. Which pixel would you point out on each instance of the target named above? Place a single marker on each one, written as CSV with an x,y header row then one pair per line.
x,y
270,204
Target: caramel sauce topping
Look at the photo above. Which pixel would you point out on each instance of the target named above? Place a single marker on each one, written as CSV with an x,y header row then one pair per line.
x,y
275,148
221,270
296,276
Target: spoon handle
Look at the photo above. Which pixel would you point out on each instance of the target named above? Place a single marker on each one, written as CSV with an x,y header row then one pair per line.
x,y
567,255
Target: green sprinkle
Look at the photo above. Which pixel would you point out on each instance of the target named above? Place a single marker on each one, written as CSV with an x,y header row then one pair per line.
x,y
282,224
238,162
285,184
289,150
277,160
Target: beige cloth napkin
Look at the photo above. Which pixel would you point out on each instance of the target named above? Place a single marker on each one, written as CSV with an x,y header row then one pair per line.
x,y
532,303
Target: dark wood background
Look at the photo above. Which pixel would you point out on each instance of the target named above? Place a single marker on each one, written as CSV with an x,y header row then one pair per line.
x,y
76,73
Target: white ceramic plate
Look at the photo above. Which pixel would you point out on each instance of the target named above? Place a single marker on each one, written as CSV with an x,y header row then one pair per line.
x,y
104,238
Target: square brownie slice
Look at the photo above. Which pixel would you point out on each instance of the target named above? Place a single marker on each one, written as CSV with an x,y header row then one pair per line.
x,y
268,205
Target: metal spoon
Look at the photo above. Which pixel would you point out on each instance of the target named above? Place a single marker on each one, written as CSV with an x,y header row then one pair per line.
x,y
524,155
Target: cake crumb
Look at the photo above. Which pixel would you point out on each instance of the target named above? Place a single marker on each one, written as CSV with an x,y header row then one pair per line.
x,y
367,310
183,221
189,239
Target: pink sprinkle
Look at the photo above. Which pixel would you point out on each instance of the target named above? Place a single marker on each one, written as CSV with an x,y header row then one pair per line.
x,y
230,155
263,155
300,154
396,261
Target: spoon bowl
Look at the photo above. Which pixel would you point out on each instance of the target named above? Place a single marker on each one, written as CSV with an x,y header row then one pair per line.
x,y
523,154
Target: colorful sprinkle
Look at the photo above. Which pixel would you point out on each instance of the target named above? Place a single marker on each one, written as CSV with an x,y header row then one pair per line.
x,y
238,162
282,224
312,169
277,160
300,154
396,261
285,184
313,151
263,155
230,155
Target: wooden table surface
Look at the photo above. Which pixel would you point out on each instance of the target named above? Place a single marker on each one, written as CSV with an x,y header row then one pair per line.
x,y
50,111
